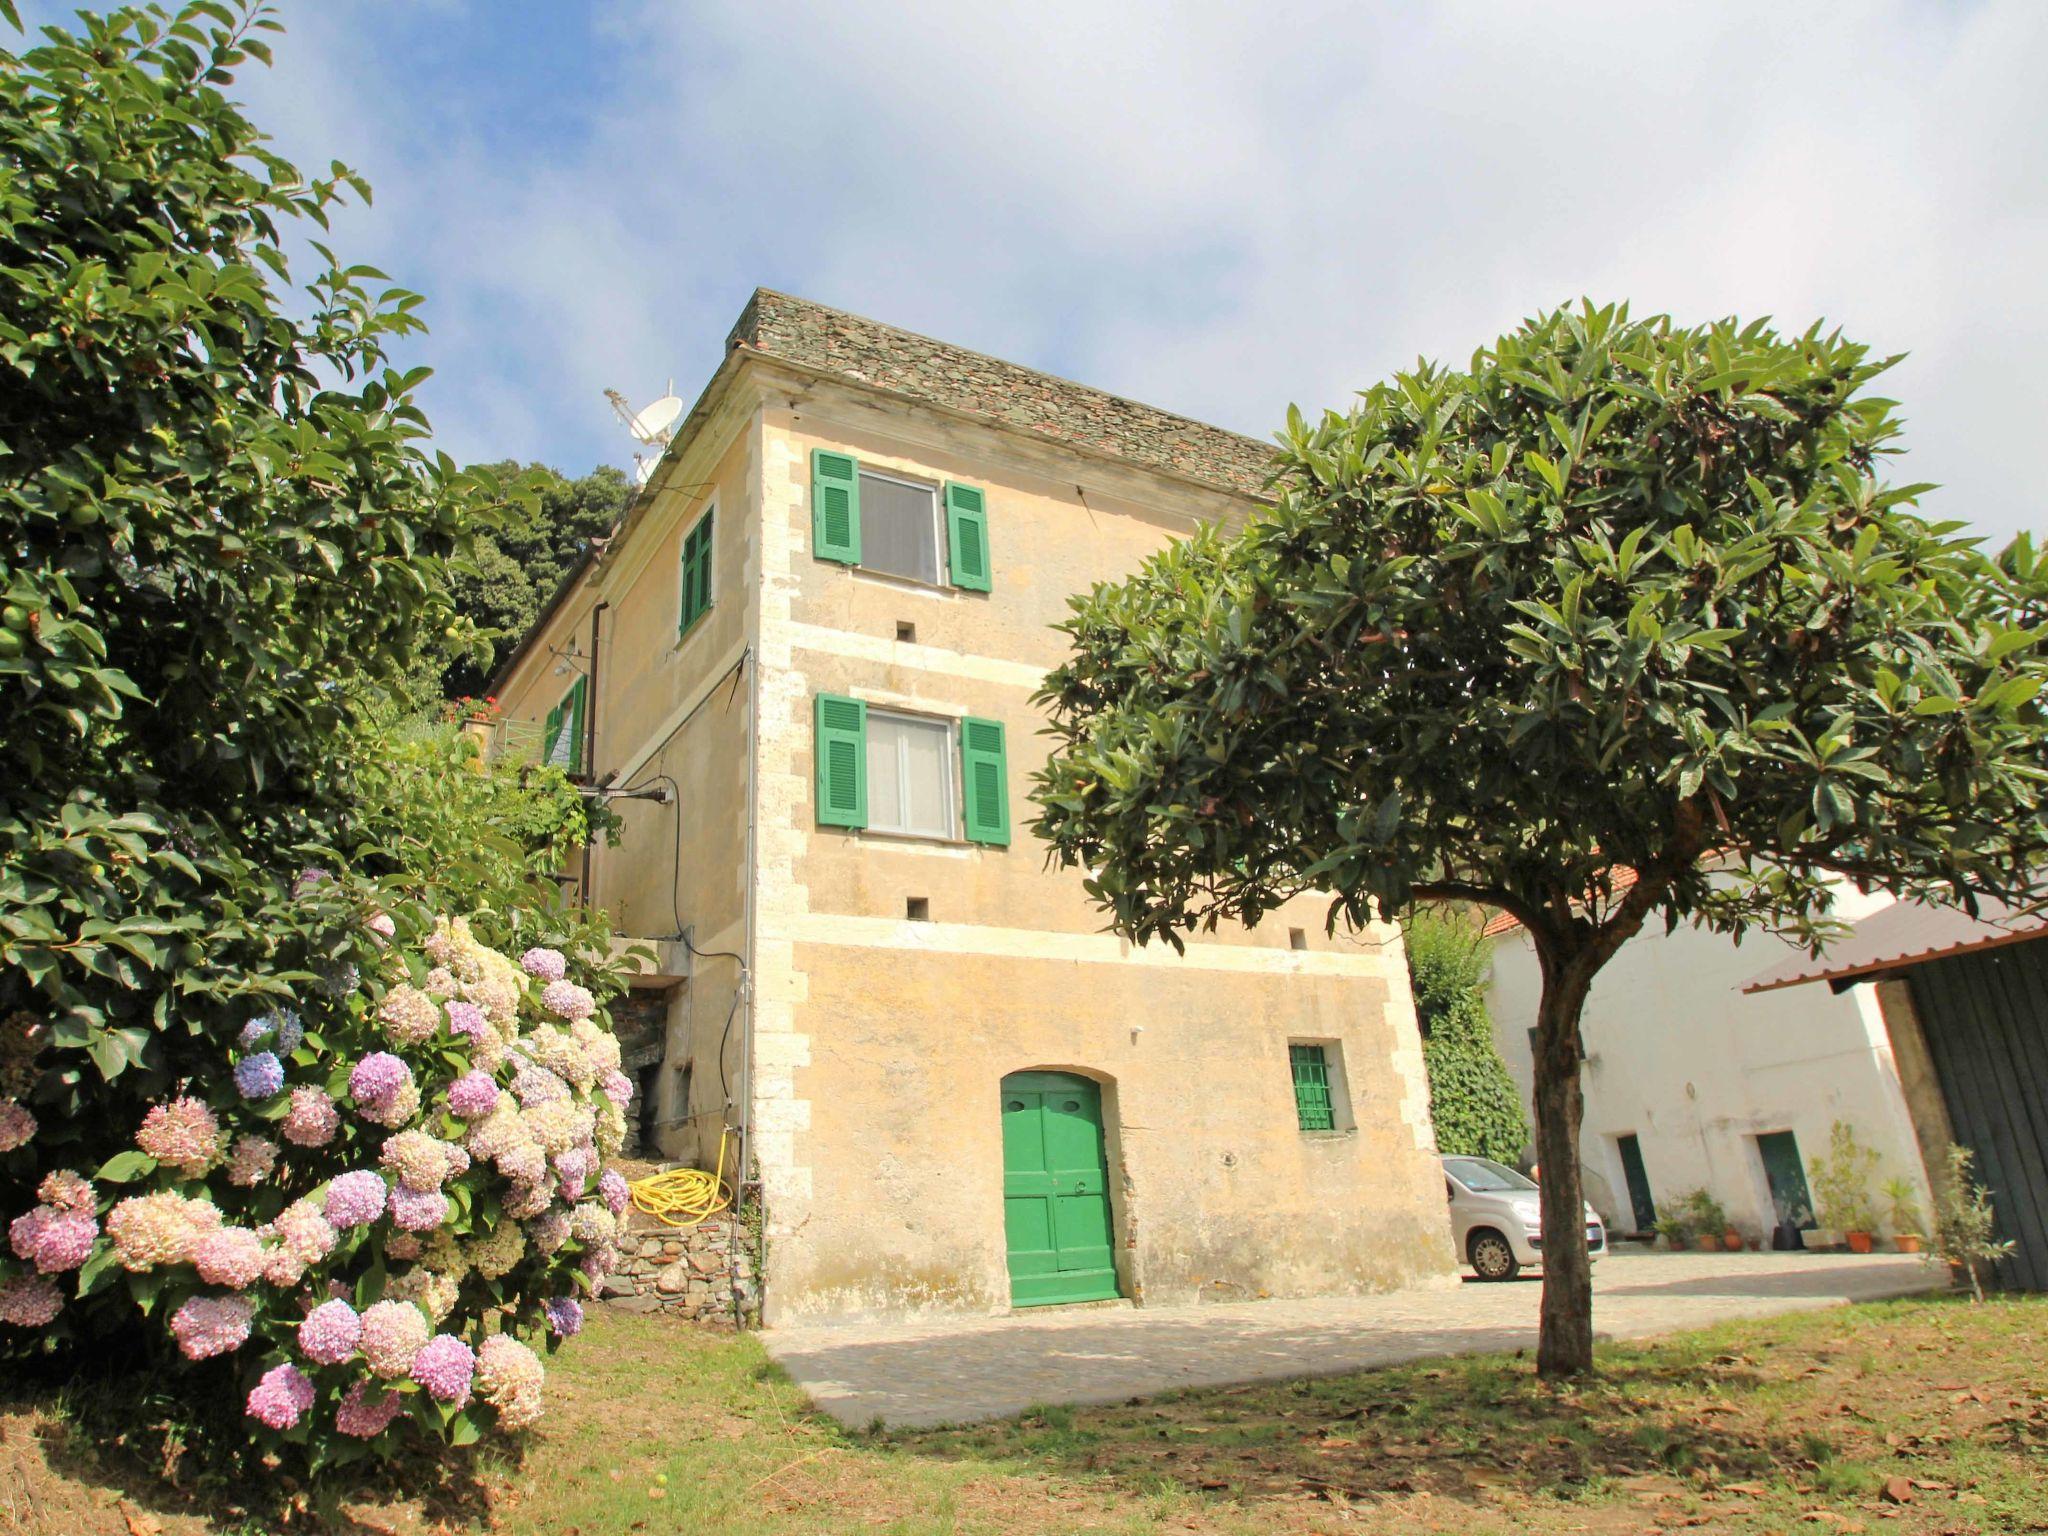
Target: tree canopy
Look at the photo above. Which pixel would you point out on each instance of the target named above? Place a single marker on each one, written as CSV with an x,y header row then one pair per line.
x,y
1620,593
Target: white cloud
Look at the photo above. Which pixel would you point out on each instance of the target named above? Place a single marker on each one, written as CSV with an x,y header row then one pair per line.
x,y
1219,208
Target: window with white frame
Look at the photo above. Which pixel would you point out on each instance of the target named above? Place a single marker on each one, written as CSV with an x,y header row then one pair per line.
x,y
900,530
910,775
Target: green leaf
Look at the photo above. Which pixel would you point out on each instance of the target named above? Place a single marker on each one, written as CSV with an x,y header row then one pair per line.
x,y
125,1168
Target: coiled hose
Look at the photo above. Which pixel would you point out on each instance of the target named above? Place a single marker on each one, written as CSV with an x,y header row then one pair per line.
x,y
684,1197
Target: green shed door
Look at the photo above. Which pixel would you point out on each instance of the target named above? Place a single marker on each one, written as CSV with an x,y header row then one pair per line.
x,y
1056,1190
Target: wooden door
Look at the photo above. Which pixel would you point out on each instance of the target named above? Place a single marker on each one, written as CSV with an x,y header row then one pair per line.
x,y
1056,1190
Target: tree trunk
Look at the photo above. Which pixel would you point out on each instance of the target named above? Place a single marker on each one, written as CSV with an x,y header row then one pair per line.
x,y
1565,1344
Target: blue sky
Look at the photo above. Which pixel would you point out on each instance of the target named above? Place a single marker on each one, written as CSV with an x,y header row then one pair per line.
x,y
1214,207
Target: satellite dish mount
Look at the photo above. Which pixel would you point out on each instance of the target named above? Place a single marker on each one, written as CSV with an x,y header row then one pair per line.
x,y
653,427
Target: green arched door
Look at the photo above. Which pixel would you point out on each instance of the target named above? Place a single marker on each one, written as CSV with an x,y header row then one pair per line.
x,y
1056,1190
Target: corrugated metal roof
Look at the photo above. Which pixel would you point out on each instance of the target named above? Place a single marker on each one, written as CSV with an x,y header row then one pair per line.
x,y
1905,934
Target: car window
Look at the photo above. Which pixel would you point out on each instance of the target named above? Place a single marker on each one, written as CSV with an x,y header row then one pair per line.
x,y
1484,1176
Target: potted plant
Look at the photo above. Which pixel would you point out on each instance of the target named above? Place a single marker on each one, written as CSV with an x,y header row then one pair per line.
x,y
1705,1219
1903,1207
1841,1187
1964,1223
1672,1229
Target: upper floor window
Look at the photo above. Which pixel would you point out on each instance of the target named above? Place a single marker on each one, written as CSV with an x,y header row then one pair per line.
x,y
899,527
883,522
562,736
696,575
916,774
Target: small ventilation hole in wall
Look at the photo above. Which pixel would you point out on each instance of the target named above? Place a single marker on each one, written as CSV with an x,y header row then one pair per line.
x,y
906,632
918,909
1297,938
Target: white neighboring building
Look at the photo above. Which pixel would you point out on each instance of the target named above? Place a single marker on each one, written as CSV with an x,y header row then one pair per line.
x,y
1691,1085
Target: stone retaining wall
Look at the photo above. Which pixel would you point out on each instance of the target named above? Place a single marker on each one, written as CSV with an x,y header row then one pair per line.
x,y
691,1272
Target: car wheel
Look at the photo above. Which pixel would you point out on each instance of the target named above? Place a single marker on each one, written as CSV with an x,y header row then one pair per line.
x,y
1492,1257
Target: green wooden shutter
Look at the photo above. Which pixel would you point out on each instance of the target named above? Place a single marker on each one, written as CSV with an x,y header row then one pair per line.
x,y
842,751
576,699
985,778
696,576
1311,1087
967,534
835,506
550,734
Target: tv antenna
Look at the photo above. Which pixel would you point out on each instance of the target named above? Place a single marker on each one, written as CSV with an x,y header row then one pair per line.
x,y
654,427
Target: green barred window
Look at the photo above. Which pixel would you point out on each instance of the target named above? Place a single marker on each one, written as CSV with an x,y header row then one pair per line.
x,y
1311,1087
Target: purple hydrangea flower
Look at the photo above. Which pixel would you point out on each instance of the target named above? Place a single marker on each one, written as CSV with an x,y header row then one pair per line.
x,y
612,1187
260,1076
280,1027
377,1077
466,1019
565,1316
282,1397
473,1095
547,964
617,1087
445,1366
354,1200
418,1210
330,1333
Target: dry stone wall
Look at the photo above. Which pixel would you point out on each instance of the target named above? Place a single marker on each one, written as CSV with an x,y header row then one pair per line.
x,y
707,1273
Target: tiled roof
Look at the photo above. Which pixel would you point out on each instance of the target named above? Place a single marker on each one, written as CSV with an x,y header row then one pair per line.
x,y
833,342
1907,934
1618,881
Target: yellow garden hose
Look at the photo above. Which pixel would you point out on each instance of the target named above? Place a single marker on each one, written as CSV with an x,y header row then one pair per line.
x,y
683,1197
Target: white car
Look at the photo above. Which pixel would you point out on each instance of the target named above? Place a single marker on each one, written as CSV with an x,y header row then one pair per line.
x,y
1497,1217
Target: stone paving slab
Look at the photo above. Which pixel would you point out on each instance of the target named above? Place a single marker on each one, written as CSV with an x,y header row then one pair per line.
x,y
926,1371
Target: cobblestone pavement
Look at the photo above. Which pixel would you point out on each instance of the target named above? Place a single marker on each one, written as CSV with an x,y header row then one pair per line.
x,y
952,1370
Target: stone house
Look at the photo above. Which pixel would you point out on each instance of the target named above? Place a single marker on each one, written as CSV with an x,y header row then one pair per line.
x,y
801,670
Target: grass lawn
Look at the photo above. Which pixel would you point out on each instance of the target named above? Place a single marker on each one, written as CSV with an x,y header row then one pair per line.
x,y
1904,1417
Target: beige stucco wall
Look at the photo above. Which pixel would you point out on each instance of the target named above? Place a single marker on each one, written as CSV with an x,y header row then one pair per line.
x,y
881,1043
676,708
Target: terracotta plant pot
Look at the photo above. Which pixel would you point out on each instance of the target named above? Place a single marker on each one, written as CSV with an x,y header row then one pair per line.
x,y
1707,1242
1859,1242
1907,1242
1734,1241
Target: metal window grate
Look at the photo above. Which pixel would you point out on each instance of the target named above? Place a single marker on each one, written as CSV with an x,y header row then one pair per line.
x,y
1311,1087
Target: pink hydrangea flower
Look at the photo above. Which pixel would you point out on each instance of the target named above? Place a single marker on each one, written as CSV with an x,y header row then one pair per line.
x,y
312,1120
205,1326
417,1210
282,1397
366,1412
409,1016
566,1000
445,1366
330,1333
467,1019
377,1078
565,1316
56,1240
394,1332
64,1190
617,1087
301,1236
382,925
546,964
418,1161
509,1376
17,1125
354,1199
232,1257
252,1161
30,1301
149,1230
182,1135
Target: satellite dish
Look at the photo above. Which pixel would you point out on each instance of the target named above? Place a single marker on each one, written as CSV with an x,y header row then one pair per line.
x,y
643,467
653,424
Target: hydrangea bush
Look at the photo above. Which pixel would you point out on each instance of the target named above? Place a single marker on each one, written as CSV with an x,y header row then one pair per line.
x,y
373,1211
